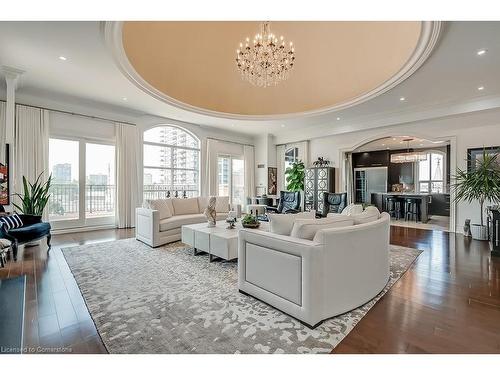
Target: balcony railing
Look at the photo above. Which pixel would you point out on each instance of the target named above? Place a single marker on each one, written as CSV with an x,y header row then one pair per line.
x,y
159,191
64,201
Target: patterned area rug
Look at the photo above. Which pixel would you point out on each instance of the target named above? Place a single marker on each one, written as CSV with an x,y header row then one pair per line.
x,y
165,300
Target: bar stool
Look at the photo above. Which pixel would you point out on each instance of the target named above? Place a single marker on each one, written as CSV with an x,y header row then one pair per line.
x,y
412,209
394,206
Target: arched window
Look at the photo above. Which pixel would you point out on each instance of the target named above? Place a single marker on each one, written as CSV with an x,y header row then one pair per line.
x,y
171,163
291,156
431,173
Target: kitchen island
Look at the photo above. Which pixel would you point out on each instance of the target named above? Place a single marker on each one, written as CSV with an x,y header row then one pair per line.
x,y
380,200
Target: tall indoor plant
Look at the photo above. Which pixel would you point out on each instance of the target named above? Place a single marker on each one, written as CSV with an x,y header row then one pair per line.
x,y
295,176
480,183
35,196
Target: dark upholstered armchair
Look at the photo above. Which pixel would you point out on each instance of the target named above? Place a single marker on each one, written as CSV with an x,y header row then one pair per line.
x,y
334,203
289,202
33,229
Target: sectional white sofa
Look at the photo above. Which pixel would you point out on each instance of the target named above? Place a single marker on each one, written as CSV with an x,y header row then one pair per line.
x,y
338,269
159,221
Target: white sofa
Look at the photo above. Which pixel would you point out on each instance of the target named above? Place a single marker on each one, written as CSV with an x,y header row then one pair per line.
x,y
159,221
313,280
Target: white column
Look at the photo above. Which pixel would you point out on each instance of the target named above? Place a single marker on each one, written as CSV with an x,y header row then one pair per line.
x,y
12,79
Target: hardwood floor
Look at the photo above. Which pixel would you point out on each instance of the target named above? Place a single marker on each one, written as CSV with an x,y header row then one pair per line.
x,y
448,302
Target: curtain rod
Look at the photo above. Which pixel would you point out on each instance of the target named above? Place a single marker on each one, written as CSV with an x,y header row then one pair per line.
x,y
74,113
223,140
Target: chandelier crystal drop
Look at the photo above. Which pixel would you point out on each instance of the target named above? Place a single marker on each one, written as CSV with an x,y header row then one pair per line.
x,y
267,60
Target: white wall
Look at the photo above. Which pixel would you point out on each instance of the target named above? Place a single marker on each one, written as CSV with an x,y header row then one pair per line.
x,y
265,153
466,131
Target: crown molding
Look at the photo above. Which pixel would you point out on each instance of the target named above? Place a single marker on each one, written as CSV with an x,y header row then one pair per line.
x,y
111,32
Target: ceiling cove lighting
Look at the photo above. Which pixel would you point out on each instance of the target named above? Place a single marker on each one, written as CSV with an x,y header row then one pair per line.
x,y
408,156
267,60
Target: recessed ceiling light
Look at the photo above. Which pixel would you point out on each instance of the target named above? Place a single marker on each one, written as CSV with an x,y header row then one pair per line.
x,y
480,88
481,52
63,58
421,144
124,99
282,125
402,99
393,139
338,118
383,144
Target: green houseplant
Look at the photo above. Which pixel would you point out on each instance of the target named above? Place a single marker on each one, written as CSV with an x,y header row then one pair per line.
x,y
480,183
295,176
35,196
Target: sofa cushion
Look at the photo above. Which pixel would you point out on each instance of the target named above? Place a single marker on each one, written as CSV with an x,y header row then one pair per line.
x,y
370,214
202,204
307,228
30,232
283,223
352,209
179,220
185,206
222,204
164,206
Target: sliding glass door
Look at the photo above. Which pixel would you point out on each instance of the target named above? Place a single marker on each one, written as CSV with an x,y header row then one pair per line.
x,y
231,178
83,188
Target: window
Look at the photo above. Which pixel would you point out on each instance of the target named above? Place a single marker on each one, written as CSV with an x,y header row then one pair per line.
x,y
431,173
231,178
171,163
82,192
291,156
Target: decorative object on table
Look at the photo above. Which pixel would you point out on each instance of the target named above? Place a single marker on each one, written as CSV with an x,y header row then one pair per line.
x,y
480,183
295,176
250,221
267,61
321,162
231,221
474,155
233,215
168,193
210,212
35,196
317,182
176,194
467,228
4,179
272,180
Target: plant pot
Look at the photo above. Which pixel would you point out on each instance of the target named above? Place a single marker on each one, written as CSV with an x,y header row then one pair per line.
x,y
252,226
479,232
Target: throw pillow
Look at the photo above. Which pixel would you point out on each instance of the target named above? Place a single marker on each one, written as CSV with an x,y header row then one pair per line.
x,y
283,223
11,222
222,204
352,209
370,214
185,206
161,205
306,228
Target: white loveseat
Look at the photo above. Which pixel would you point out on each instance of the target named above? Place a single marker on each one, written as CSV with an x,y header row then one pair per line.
x,y
312,280
159,221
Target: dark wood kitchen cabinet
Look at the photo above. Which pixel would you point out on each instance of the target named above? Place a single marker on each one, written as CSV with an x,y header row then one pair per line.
x,y
370,159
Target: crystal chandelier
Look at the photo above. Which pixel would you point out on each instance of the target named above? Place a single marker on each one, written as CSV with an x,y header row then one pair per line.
x,y
267,60
409,156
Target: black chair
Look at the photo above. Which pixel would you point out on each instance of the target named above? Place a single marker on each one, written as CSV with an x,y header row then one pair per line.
x,y
334,203
394,207
412,209
289,203
265,200
33,229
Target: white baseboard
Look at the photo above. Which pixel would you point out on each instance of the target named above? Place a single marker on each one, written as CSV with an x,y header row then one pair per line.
x,y
83,229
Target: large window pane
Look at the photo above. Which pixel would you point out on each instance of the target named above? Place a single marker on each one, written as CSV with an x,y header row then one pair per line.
x,y
170,135
185,181
185,158
157,156
64,192
223,178
157,182
99,180
423,170
238,182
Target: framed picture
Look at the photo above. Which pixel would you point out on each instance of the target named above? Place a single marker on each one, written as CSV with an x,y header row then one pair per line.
x,y
272,180
4,179
476,154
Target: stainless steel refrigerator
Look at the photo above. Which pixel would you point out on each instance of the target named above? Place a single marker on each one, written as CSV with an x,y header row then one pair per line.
x,y
368,181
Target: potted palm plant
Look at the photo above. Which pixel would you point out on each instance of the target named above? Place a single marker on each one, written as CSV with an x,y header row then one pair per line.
x,y
35,196
480,183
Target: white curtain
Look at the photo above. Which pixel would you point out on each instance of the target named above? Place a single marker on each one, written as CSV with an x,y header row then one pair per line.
x,y
349,180
31,147
210,175
3,131
249,160
127,175
280,164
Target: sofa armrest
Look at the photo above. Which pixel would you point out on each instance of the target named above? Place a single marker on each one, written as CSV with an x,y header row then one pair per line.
x,y
147,225
286,244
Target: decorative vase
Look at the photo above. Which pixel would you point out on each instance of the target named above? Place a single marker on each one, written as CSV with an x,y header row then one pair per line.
x,y
479,232
467,228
